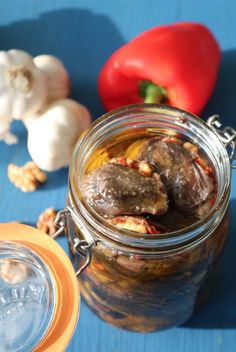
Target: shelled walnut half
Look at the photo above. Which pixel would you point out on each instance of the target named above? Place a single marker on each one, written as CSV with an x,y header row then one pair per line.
x,y
46,221
28,177
136,224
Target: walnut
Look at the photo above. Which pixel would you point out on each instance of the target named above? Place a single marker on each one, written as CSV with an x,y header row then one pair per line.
x,y
27,177
191,147
142,167
136,224
171,139
12,271
46,221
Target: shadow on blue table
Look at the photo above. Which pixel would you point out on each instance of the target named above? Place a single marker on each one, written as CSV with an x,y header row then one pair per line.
x,y
220,311
82,39
223,101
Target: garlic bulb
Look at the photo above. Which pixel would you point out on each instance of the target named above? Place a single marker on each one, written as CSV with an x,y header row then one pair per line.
x,y
23,87
52,135
58,79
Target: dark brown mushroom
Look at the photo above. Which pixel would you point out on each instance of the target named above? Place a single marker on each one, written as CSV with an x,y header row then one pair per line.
x,y
189,184
122,189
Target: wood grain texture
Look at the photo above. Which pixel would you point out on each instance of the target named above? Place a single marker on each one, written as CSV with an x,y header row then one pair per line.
x,y
83,34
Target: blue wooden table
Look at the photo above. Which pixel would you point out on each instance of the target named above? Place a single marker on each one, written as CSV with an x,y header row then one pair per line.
x,y
83,34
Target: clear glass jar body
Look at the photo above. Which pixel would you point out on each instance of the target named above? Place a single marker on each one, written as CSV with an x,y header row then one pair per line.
x,y
152,282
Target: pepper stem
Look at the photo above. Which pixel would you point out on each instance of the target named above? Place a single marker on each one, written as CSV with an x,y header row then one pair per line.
x,y
152,93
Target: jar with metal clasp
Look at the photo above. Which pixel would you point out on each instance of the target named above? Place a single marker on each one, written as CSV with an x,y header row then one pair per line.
x,y
141,282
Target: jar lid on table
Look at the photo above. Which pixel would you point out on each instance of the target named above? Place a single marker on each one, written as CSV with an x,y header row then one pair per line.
x,y
39,292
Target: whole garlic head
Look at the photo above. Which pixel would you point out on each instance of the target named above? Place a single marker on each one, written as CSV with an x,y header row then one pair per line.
x,y
52,135
23,87
58,78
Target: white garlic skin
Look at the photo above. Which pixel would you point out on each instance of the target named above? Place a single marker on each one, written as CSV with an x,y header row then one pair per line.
x,y
53,134
58,78
23,87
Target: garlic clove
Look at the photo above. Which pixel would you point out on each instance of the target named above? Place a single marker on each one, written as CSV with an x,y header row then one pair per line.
x,y
9,138
53,134
15,57
23,87
5,134
58,78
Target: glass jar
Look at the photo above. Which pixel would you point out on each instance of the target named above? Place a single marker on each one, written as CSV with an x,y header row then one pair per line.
x,y
151,282
142,283
39,293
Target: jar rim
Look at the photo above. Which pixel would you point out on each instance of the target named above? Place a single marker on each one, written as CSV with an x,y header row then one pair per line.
x,y
97,223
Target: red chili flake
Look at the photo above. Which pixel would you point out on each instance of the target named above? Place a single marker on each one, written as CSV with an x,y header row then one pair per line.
x,y
98,266
209,170
153,230
212,201
201,162
88,269
122,161
121,220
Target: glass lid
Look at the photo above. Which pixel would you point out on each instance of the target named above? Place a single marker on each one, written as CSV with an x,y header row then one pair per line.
x,y
27,298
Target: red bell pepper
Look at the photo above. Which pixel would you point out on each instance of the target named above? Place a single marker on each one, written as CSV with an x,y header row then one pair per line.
x,y
175,64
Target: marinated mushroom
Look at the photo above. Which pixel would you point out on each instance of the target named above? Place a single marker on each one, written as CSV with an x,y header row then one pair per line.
x,y
188,179
124,186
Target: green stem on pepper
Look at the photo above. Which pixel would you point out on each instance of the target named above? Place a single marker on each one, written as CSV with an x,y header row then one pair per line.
x,y
152,93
